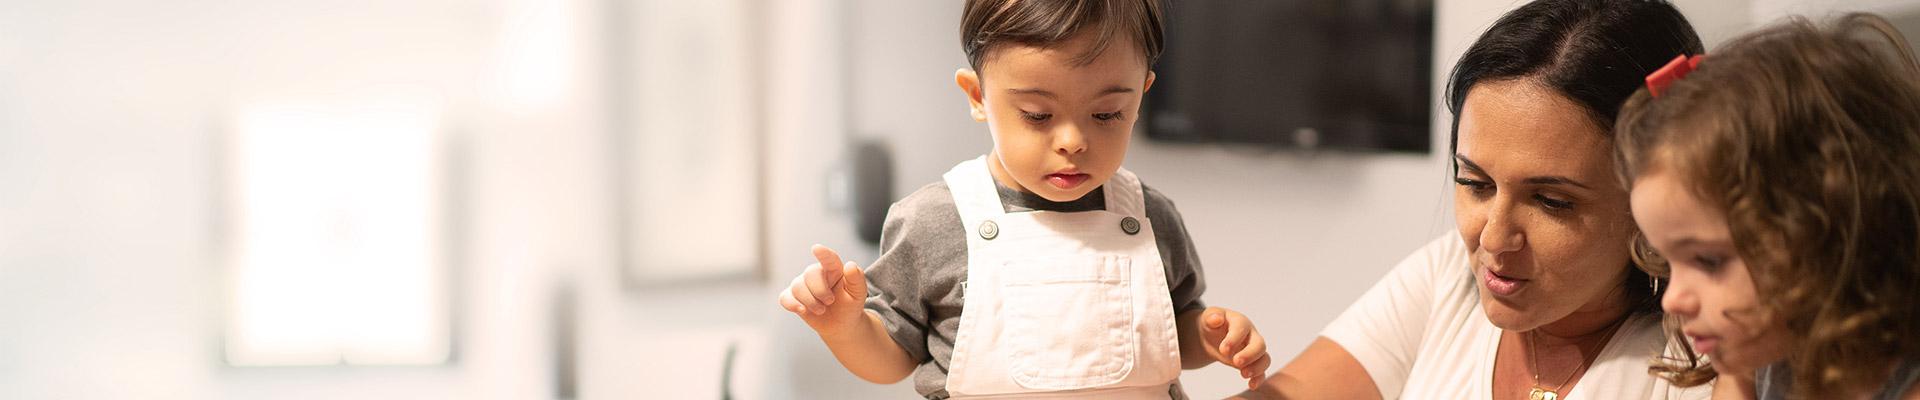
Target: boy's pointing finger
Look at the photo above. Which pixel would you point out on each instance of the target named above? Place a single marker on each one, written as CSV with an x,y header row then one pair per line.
x,y
830,261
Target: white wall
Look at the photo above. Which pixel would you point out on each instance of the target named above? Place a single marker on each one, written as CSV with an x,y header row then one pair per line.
x,y
1768,11
112,113
111,118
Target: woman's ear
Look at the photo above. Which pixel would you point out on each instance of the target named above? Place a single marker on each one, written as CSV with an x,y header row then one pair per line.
x,y
969,83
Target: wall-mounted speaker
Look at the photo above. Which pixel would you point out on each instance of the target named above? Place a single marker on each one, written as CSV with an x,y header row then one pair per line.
x,y
870,186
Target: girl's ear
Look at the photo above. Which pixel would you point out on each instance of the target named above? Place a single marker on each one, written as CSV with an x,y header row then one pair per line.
x,y
969,83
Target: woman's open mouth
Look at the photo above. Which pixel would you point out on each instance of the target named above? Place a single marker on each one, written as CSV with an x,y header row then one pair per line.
x,y
1502,285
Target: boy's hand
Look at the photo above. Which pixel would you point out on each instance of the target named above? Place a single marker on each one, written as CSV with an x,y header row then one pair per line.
x,y
830,295
1231,339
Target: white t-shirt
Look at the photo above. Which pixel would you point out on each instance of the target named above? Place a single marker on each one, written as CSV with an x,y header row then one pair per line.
x,y
1421,334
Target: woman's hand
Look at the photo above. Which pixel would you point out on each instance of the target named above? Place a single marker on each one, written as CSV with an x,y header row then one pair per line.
x,y
1231,339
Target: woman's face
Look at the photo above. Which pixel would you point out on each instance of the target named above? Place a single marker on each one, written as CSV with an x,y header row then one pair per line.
x,y
1539,207
1711,290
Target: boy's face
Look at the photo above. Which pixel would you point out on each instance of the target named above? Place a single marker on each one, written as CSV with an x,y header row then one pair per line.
x,y
1059,129
1710,290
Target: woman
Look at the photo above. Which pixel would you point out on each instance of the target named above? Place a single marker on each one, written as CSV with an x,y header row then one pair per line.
x,y
1535,296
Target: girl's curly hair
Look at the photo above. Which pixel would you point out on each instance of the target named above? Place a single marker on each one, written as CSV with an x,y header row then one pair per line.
x,y
1808,138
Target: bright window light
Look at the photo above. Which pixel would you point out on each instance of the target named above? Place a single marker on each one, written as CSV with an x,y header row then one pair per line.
x,y
336,215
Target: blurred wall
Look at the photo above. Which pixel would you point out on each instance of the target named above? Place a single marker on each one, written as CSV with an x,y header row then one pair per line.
x,y
112,116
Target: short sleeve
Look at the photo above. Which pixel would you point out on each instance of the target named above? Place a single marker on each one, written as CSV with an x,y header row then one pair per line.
x,y
893,286
1186,281
1383,329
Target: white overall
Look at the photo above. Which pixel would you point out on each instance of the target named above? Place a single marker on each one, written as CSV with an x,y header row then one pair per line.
x,y
1061,304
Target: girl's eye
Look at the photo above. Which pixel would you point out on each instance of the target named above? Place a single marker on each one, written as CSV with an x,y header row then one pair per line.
x,y
1478,187
1035,117
1108,116
1708,263
1553,203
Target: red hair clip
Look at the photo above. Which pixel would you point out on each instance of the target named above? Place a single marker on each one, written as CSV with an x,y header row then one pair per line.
x,y
1676,69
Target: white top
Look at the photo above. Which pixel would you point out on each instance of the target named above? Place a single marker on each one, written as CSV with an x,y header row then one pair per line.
x,y
1421,334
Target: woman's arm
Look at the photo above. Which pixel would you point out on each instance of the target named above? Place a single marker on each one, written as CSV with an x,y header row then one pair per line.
x,y
1323,371
1385,326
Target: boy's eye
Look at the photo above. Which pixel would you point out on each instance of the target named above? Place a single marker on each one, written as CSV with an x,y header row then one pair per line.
x,y
1107,116
1035,117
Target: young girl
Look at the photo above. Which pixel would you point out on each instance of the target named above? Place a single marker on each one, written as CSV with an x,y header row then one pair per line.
x,y
1778,179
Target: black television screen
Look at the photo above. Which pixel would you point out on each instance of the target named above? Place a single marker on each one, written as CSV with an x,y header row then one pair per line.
x,y
1343,74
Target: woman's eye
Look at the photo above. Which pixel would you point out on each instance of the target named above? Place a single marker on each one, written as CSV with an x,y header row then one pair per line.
x,y
1553,203
1035,117
1478,187
1109,116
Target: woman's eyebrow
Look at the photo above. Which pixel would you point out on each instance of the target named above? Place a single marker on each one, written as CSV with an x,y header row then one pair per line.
x,y
1555,180
1464,162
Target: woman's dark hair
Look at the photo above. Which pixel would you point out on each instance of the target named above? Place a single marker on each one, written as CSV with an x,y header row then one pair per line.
x,y
1595,52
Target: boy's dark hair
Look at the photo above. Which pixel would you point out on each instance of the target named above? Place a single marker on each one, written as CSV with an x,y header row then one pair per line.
x,y
1805,136
1594,52
988,24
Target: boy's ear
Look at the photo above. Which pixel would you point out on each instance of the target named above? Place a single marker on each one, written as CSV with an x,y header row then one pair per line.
x,y
1149,85
969,82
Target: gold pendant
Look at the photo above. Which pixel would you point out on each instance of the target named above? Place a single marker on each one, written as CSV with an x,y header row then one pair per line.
x,y
1542,394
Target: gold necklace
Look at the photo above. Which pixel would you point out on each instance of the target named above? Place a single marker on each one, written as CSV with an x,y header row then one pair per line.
x,y
1539,392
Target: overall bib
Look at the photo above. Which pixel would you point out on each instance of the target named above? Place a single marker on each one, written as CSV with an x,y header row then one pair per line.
x,y
1061,304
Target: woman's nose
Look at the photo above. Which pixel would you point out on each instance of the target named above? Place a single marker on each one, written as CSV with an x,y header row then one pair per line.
x,y
1501,233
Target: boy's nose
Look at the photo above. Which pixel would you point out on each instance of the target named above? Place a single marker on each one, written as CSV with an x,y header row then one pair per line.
x,y
1069,140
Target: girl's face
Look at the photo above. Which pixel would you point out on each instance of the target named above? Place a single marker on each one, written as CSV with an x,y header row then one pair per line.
x,y
1060,128
1710,289
1538,206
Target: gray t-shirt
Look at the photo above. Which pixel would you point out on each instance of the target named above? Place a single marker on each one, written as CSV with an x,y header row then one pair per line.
x,y
915,283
